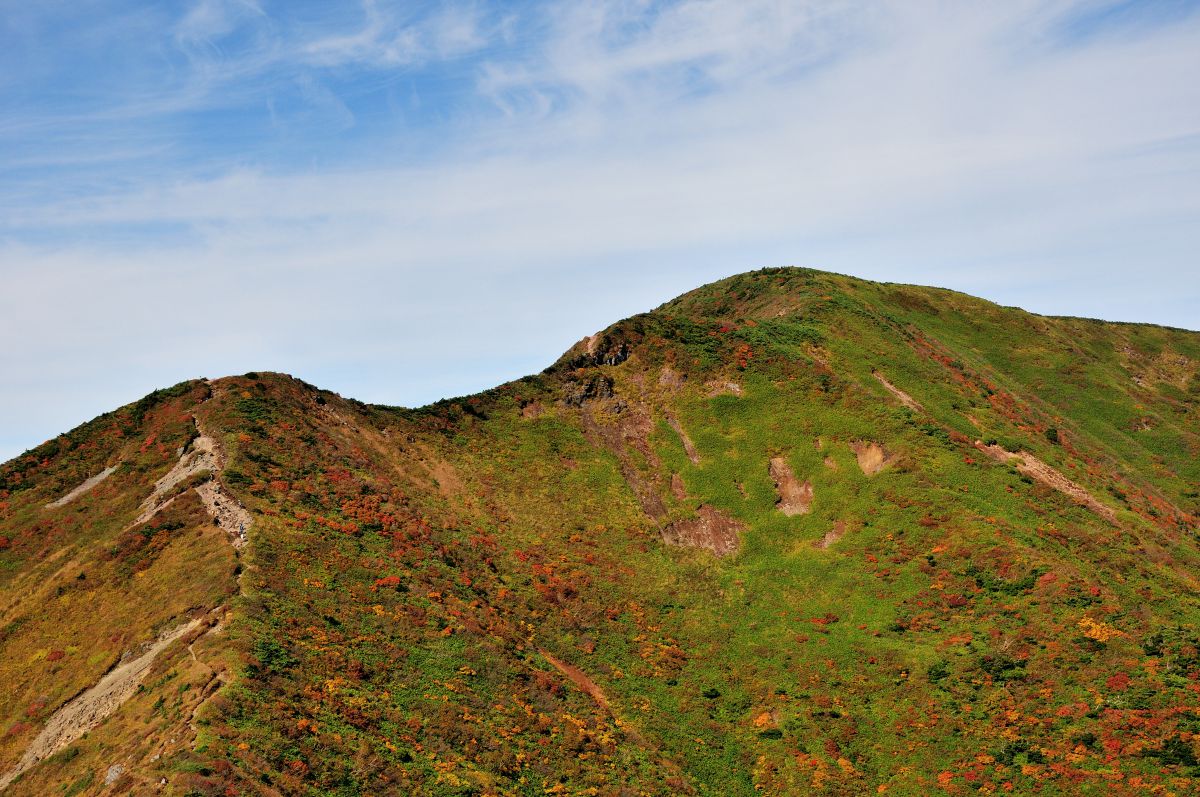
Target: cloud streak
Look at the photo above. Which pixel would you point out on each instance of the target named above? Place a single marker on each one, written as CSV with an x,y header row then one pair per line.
x,y
403,208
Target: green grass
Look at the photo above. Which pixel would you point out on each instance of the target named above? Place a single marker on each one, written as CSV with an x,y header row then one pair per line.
x,y
409,566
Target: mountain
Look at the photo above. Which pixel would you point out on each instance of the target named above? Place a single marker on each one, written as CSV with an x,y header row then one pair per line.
x,y
790,533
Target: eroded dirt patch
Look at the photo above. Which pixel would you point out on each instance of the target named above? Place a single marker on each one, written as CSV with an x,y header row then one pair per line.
x,y
89,709
833,535
677,487
688,447
872,457
905,399
795,496
226,511
624,429
204,456
668,377
721,388
83,488
711,529
201,457
1034,468
579,678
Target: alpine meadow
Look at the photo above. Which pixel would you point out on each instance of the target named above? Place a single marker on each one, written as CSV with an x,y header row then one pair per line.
x,y
789,533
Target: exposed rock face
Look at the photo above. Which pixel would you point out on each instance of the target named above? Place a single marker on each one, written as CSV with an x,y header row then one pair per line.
x,y
597,387
226,511
711,529
795,497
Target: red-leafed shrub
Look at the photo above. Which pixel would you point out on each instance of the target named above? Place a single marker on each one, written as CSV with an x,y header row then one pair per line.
x,y
387,582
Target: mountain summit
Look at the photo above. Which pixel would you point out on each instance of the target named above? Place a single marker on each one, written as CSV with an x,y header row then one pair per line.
x,y
790,533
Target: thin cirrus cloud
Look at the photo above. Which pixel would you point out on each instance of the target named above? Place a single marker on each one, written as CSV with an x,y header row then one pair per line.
x,y
405,201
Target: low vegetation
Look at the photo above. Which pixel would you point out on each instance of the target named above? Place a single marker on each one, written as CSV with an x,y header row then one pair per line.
x,y
478,597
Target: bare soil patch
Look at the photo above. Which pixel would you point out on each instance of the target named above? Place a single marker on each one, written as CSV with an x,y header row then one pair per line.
x,y
579,678
677,487
203,456
722,388
83,488
833,535
199,458
1035,469
711,529
872,457
688,447
89,709
670,378
795,497
905,399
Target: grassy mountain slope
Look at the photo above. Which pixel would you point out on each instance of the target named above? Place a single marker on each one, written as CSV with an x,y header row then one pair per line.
x,y
586,582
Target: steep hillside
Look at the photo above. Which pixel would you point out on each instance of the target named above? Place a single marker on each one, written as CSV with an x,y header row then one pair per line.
x,y
790,533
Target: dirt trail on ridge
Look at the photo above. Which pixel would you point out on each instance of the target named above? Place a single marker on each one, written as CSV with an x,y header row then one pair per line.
x,y
204,455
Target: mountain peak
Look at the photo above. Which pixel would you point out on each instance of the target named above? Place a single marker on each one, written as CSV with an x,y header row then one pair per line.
x,y
788,532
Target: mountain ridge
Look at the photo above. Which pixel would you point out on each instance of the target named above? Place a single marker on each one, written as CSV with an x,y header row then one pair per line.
x,y
790,532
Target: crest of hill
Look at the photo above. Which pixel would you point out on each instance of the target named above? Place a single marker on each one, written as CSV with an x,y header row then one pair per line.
x,y
791,532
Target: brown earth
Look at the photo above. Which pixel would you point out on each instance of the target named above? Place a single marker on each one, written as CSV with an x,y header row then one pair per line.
x,y
1035,469
833,535
905,399
670,378
688,447
711,529
677,487
579,678
872,457
795,497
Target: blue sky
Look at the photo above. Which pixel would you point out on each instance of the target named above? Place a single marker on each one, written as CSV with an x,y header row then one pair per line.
x,y
406,201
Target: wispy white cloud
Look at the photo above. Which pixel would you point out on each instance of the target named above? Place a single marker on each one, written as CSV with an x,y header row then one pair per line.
x,y
589,161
